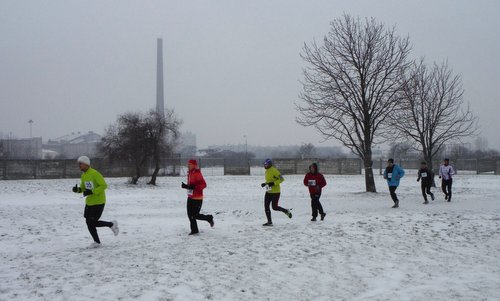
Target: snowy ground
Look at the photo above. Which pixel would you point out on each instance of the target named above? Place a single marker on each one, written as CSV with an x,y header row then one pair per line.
x,y
362,251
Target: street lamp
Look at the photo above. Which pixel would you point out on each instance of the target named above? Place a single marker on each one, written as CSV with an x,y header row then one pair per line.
x,y
246,154
246,147
31,127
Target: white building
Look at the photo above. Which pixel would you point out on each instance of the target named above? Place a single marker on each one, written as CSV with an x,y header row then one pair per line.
x,y
73,145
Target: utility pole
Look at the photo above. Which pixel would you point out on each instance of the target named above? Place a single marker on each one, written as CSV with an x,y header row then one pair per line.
x,y
31,127
246,147
246,154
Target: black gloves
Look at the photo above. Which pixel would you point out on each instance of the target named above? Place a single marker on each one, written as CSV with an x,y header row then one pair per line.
x,y
263,185
190,187
77,189
87,192
270,184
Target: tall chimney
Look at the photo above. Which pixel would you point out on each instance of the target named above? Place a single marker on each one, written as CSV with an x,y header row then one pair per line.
x,y
160,106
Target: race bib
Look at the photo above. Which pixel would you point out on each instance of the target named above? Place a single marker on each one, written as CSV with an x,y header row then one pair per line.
x,y
389,175
268,188
424,175
312,182
89,185
190,191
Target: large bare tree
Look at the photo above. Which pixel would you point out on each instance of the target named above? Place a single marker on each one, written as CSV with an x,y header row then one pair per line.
x,y
162,136
352,84
433,109
137,137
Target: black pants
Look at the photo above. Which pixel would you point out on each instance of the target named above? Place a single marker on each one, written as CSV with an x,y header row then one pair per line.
x,y
446,187
392,190
316,205
272,198
193,212
426,190
92,215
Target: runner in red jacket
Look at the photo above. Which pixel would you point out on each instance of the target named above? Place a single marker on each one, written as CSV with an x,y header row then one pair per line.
x,y
195,185
315,181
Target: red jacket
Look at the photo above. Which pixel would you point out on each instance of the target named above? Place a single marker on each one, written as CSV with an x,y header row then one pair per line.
x,y
196,178
315,182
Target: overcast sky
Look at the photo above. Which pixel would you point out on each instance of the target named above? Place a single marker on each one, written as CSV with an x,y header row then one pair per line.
x,y
232,68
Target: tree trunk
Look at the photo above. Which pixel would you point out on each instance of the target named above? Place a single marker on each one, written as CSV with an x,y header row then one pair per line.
x,y
428,158
135,178
369,179
155,172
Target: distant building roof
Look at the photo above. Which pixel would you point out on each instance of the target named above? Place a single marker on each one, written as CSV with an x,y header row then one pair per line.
x,y
74,138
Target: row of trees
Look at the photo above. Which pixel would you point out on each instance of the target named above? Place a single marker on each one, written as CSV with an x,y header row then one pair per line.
x,y
140,138
477,150
361,88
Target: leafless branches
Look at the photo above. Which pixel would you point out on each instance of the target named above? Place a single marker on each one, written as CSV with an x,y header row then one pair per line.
x,y
137,137
351,84
432,112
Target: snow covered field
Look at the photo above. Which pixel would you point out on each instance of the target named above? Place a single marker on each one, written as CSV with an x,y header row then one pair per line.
x,y
364,250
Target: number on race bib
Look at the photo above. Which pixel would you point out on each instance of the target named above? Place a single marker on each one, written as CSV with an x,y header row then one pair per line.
x,y
389,175
424,175
312,183
89,185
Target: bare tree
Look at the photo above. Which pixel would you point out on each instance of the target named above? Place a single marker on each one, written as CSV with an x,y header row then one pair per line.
x,y
481,144
125,140
351,84
307,151
400,150
163,134
433,109
137,137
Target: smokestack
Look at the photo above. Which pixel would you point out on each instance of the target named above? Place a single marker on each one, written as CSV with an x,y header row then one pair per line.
x,y
160,106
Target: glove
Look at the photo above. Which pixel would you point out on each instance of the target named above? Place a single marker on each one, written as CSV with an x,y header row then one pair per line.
x,y
77,189
263,185
440,177
87,192
185,186
270,184
418,180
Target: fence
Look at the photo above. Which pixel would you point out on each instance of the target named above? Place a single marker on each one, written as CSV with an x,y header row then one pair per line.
x,y
327,166
242,166
54,169
49,169
475,166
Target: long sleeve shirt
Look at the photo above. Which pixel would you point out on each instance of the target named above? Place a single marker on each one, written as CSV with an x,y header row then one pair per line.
x,y
446,172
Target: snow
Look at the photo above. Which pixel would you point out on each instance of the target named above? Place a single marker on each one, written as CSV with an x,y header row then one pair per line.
x,y
364,250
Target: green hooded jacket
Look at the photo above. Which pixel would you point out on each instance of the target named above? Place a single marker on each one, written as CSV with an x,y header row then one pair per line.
x,y
93,180
274,176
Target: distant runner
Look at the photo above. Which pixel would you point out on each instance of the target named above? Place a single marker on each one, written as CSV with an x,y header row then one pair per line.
x,y
92,186
426,176
195,185
446,173
393,173
315,181
272,185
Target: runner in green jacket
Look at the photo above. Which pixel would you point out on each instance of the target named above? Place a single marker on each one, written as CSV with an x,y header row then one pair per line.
x,y
92,186
273,191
